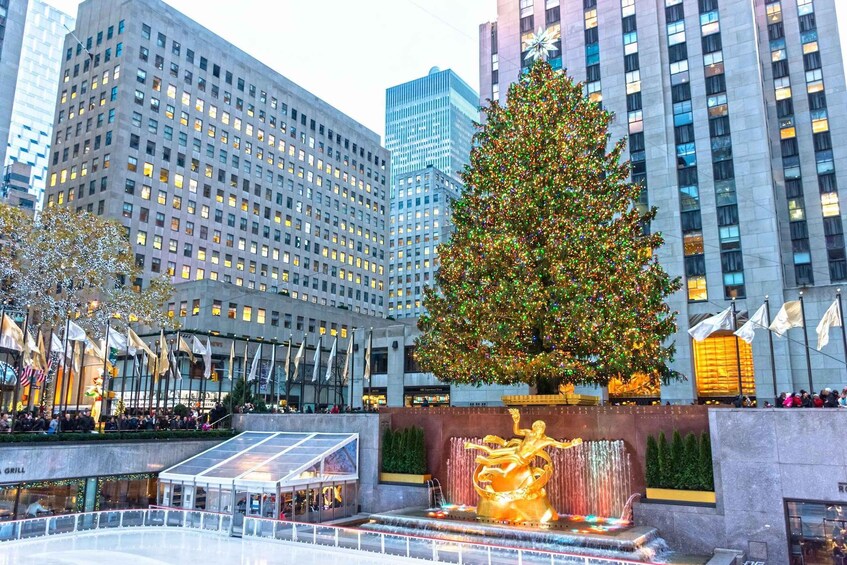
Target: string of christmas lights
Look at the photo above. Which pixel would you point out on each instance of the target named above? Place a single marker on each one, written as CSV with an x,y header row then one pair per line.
x,y
549,275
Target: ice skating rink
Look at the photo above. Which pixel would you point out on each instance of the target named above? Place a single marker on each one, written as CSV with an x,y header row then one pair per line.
x,y
158,547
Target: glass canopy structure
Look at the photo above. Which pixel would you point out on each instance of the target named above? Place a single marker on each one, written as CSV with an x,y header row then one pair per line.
x,y
309,477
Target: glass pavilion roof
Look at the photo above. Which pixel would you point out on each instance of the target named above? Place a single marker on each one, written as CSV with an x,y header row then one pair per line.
x,y
272,459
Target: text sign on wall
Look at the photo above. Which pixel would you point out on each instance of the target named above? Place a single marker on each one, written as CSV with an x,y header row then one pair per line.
x,y
842,488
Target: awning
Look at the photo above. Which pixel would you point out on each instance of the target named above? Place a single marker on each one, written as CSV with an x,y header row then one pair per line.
x,y
272,459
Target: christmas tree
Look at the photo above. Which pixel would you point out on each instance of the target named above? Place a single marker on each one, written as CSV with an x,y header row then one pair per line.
x,y
550,275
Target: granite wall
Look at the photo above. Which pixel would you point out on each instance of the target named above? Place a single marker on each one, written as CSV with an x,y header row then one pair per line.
x,y
68,460
630,423
762,457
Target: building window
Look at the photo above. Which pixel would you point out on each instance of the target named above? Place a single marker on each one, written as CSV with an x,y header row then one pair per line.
x,y
716,366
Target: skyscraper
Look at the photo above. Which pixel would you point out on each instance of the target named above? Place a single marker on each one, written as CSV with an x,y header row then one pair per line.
x,y
218,167
731,110
429,127
429,121
31,129
12,17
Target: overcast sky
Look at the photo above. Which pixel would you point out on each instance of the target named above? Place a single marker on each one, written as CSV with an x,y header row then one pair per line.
x,y
348,51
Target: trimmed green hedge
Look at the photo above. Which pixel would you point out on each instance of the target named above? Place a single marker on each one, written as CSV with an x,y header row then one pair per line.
x,y
404,451
115,436
682,463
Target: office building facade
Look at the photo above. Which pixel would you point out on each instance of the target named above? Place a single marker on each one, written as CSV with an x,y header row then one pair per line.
x,y
31,126
218,167
429,122
732,112
15,186
421,209
429,127
12,18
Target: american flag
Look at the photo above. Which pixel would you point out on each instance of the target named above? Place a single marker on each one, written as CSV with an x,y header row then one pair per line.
x,y
41,376
25,376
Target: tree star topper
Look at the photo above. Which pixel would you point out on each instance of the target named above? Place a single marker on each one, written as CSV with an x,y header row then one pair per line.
x,y
543,42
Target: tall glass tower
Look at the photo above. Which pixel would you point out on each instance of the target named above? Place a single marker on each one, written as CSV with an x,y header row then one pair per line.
x,y
429,122
429,127
31,126
12,17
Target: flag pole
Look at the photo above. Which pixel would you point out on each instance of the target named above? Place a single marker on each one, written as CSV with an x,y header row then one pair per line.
x,y
106,379
770,343
369,352
806,341
302,370
123,372
352,366
737,347
33,377
841,317
287,379
258,376
67,372
80,379
244,373
18,387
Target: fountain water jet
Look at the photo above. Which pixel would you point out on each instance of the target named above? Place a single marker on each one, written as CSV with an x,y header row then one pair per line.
x,y
592,479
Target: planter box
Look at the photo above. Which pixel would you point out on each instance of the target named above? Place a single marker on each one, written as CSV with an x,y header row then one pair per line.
x,y
674,495
404,478
568,399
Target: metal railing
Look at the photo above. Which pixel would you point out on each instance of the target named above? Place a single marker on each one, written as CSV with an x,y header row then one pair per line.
x,y
398,545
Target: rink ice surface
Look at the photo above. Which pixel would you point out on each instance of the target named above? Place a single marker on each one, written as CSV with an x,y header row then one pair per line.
x,y
145,547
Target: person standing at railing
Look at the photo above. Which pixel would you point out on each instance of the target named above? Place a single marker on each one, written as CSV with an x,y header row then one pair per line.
x,y
35,508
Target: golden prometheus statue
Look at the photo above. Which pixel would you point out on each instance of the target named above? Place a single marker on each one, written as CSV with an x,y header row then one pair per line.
x,y
509,484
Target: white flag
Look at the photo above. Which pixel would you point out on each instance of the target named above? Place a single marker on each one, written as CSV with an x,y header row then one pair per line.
x,y
197,346
254,367
175,372
288,359
367,374
207,359
75,333
231,359
117,340
299,357
347,360
182,346
832,317
707,327
789,316
316,361
135,343
271,374
331,359
11,336
55,344
758,320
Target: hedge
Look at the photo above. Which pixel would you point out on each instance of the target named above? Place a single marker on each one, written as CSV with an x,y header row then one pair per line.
x,y
115,436
404,451
682,463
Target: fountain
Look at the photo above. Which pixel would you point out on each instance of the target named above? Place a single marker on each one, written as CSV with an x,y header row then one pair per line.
x,y
505,492
592,478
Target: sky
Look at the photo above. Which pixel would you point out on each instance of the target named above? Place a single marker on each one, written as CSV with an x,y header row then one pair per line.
x,y
347,52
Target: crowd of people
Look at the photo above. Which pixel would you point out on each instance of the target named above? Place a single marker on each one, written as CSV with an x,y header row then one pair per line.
x,y
827,398
135,420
